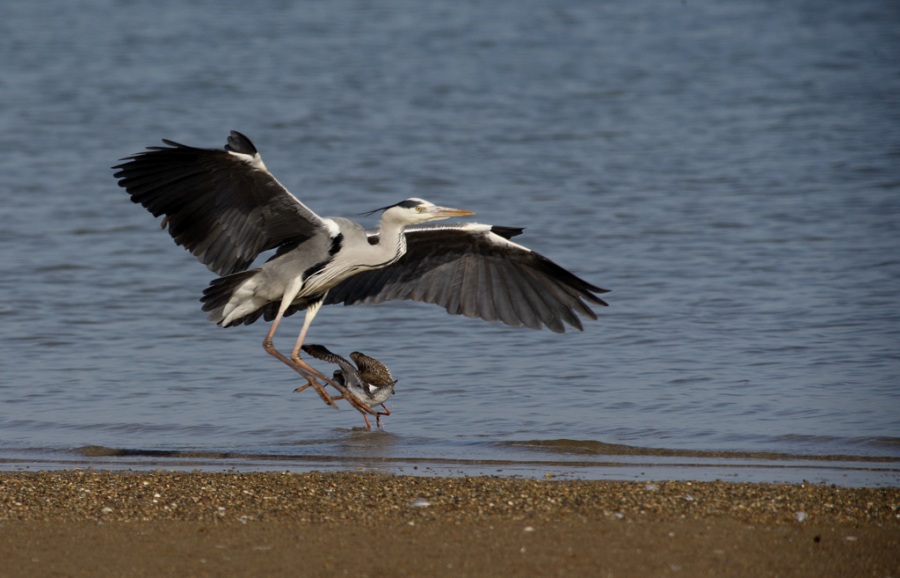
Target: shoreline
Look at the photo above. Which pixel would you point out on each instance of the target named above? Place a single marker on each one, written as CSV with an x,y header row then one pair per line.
x,y
564,459
177,523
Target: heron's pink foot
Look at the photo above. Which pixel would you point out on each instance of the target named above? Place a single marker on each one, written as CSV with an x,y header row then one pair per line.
x,y
304,370
311,382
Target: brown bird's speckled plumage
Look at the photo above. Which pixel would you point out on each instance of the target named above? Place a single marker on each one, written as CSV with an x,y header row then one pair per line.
x,y
370,382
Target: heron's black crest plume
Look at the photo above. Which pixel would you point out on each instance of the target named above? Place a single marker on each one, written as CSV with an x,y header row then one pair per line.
x,y
406,204
373,211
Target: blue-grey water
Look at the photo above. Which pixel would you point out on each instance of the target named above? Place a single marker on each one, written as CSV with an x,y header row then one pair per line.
x,y
730,170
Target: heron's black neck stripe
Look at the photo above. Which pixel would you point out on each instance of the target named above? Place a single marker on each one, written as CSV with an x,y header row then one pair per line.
x,y
336,243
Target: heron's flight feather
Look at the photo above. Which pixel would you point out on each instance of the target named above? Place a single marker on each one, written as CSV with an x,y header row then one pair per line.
x,y
222,205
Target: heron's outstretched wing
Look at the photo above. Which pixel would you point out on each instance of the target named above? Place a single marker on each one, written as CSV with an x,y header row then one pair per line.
x,y
224,206
476,271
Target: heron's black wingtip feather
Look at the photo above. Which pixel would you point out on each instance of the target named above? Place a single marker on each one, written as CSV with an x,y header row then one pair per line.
x,y
238,143
507,232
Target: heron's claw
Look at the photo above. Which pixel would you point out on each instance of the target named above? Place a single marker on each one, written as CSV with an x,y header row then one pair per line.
x,y
357,405
320,390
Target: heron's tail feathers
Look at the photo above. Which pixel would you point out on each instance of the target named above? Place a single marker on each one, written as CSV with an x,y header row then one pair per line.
x,y
241,299
232,300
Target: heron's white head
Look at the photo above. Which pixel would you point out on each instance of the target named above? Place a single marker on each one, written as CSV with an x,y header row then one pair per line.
x,y
413,211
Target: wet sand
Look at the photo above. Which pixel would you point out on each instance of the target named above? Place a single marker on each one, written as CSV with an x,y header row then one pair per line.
x,y
92,523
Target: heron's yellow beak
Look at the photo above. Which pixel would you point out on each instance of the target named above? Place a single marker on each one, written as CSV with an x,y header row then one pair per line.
x,y
447,212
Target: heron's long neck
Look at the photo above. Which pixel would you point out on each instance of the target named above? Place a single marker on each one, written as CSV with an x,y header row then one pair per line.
x,y
391,242
358,255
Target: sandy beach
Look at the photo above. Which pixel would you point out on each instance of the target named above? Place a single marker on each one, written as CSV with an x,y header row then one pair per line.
x,y
95,523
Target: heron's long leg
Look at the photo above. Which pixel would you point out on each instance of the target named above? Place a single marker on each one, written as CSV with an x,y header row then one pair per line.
x,y
302,368
311,311
360,406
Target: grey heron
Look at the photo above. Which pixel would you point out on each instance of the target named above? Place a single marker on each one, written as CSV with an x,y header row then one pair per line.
x,y
370,382
226,208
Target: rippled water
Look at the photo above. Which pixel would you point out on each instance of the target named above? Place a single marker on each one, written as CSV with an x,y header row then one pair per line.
x,y
731,171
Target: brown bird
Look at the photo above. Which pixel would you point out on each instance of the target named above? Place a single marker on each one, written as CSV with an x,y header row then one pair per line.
x,y
370,383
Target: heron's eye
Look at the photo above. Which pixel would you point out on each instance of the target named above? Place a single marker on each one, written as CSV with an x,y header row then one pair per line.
x,y
419,208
